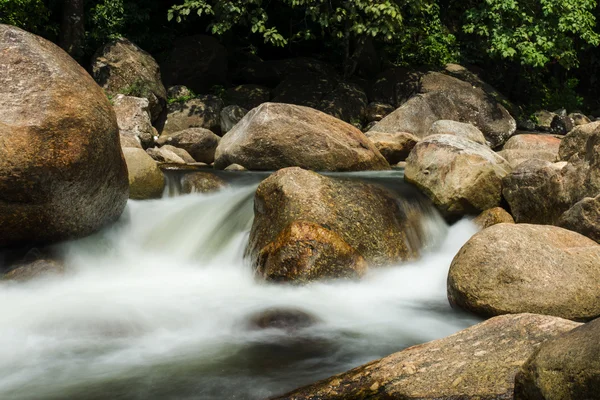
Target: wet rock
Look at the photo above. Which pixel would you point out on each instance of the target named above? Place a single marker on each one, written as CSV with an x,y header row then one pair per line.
x,y
198,62
515,268
294,208
201,182
133,118
459,175
447,127
565,367
377,111
40,268
395,147
248,96
201,112
164,155
493,216
62,173
584,218
287,319
477,363
575,141
198,142
230,116
274,136
146,180
304,252
122,67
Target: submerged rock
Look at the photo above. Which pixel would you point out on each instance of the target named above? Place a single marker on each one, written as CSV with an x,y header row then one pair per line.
x,y
301,216
516,268
146,180
274,136
477,363
33,270
62,173
566,367
287,319
201,182
458,175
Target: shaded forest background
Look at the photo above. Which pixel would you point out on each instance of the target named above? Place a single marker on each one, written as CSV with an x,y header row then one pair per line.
x,y
541,54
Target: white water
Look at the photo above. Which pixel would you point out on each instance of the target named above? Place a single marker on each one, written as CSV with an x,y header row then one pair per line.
x,y
157,307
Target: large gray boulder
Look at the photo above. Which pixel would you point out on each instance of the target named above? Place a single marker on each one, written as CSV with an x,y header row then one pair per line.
x,y
458,175
308,226
516,268
274,136
477,363
566,367
122,67
444,97
62,173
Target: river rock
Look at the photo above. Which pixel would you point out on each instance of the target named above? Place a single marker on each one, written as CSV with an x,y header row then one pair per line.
x,y
62,173
446,98
164,155
575,141
476,363
198,62
200,143
248,96
562,124
515,268
447,127
235,167
579,119
200,112
133,118
201,182
493,216
184,155
274,136
584,218
146,180
459,175
122,67
544,120
348,218
40,268
566,367
539,191
230,116
287,319
395,147
524,147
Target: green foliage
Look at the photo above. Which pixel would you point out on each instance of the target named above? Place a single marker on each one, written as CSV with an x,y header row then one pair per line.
x,y
182,99
137,89
31,15
534,32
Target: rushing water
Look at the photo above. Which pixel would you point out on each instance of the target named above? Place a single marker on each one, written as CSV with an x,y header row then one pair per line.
x,y
159,307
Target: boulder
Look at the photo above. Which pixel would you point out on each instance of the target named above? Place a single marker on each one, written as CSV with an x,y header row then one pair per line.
x,y
198,62
305,89
198,142
347,219
230,116
133,118
347,102
377,111
575,141
305,251
274,136
395,147
164,155
62,173
544,120
235,167
129,141
459,175
122,67
201,112
464,104
579,119
248,96
448,127
524,147
584,218
476,363
146,180
493,216
201,182
561,124
179,92
516,268
538,191
40,268
395,86
566,367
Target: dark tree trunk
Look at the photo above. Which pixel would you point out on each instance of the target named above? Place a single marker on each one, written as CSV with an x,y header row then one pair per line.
x,y
72,30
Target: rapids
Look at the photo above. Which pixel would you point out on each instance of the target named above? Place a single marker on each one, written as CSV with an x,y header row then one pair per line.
x,y
159,305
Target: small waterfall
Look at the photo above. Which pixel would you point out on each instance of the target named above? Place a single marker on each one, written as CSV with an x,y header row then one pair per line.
x,y
159,307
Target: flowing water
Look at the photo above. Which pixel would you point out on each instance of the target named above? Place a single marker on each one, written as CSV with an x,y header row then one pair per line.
x,y
160,305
